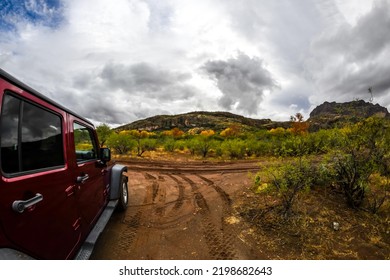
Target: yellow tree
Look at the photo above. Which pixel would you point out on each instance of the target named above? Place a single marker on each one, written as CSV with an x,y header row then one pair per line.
x,y
207,133
232,131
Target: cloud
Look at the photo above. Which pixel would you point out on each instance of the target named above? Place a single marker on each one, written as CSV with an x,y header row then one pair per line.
x,y
117,92
281,30
345,61
242,81
148,80
15,14
118,62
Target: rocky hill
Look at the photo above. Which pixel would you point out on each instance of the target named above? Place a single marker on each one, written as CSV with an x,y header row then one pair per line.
x,y
332,114
203,120
324,116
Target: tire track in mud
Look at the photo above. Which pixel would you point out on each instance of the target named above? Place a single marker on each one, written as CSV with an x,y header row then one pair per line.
x,y
129,233
220,245
161,204
172,208
155,202
228,230
180,186
132,224
224,196
189,167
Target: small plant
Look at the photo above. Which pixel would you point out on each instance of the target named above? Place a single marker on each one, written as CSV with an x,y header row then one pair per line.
x,y
378,193
352,174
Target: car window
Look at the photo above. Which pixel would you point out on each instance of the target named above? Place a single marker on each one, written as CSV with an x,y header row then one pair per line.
x,y
31,137
85,145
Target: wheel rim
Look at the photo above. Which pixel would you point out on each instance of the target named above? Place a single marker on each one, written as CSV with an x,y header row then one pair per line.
x,y
124,192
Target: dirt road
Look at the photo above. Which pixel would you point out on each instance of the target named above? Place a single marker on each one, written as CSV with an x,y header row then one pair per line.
x,y
180,210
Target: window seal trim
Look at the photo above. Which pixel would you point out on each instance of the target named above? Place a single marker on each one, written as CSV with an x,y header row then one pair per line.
x,y
22,100
95,144
32,172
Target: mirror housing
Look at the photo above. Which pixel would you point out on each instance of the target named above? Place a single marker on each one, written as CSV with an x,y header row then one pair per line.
x,y
105,154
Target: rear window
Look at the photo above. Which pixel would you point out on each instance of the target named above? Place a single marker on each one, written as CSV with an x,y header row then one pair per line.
x,y
31,137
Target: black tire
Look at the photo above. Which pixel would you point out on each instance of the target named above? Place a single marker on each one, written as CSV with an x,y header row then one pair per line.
x,y
124,195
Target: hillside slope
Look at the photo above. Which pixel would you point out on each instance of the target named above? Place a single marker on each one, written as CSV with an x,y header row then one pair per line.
x,y
204,120
324,116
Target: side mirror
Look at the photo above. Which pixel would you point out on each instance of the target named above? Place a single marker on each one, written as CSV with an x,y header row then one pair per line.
x,y
105,154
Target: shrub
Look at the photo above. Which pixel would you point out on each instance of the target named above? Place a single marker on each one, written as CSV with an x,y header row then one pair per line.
x,y
201,145
292,146
352,173
365,153
169,145
146,145
287,182
121,143
234,148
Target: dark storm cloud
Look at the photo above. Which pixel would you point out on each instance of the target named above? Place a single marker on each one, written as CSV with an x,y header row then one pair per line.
x,y
241,80
356,84
130,89
94,103
349,60
151,81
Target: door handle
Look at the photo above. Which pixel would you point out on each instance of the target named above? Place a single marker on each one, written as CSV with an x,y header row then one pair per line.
x,y
21,205
82,179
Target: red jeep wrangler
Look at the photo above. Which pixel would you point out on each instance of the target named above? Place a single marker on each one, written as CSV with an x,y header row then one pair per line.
x,y
57,190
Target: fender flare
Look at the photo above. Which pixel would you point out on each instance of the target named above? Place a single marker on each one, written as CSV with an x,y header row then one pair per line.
x,y
115,182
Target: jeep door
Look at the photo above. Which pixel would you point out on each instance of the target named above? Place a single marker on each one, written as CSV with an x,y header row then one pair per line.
x,y
38,212
88,173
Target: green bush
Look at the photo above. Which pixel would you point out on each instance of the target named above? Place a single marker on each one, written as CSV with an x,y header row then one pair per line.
x,y
121,143
364,153
287,181
169,145
146,144
234,148
201,145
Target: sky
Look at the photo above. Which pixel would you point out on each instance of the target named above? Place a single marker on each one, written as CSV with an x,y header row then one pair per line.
x,y
120,61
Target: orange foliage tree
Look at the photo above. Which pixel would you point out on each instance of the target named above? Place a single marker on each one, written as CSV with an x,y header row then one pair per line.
x,y
298,125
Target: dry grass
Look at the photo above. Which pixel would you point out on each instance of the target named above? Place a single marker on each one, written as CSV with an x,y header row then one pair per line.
x,y
309,232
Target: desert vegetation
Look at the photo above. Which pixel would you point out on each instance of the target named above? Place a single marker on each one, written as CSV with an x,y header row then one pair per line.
x,y
354,157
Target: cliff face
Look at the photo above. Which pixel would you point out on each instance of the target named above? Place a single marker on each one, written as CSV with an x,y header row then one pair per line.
x,y
332,114
354,108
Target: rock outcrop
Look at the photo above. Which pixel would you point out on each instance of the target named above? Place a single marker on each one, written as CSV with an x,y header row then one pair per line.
x,y
332,114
